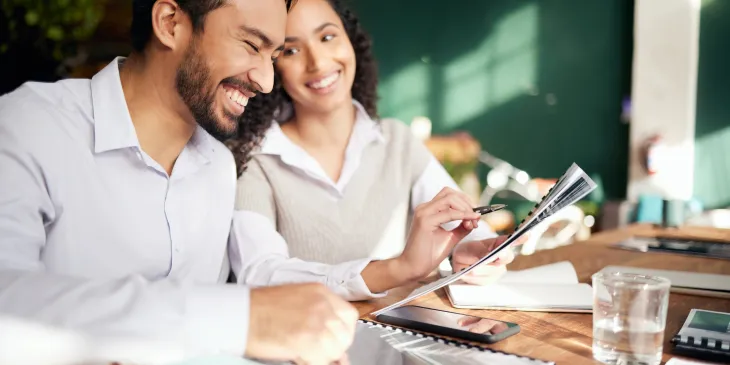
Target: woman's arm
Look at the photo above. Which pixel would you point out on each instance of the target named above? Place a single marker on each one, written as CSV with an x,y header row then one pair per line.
x,y
482,240
434,178
259,255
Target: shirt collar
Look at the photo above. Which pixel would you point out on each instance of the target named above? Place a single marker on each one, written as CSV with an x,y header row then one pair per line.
x,y
365,131
203,143
113,128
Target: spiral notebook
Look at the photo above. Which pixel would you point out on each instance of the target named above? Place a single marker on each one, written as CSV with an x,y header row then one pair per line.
x,y
381,344
705,334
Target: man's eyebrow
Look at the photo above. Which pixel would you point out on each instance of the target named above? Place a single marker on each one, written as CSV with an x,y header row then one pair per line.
x,y
265,40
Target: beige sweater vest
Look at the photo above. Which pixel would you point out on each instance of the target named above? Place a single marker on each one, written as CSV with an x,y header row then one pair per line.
x,y
370,221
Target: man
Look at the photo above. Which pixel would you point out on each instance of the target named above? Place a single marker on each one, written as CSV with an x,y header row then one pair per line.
x,y
116,200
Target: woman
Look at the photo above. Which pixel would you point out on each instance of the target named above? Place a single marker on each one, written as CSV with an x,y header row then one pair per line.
x,y
331,192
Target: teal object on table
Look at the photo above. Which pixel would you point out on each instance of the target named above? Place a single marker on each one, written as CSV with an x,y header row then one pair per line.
x,y
673,212
649,209
666,212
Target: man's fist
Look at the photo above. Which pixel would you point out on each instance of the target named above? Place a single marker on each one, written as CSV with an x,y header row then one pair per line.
x,y
304,323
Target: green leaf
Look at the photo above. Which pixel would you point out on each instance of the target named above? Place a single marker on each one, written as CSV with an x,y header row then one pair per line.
x,y
31,18
77,15
55,33
7,8
59,21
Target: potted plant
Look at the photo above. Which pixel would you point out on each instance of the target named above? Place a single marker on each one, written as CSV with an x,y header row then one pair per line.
x,y
41,39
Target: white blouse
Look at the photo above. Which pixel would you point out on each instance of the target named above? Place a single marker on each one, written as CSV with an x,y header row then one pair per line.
x,y
253,236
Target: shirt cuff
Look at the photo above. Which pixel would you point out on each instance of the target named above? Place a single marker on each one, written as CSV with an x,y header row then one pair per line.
x,y
349,280
216,320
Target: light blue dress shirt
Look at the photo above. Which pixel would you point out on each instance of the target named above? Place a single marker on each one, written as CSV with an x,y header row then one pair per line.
x,y
96,237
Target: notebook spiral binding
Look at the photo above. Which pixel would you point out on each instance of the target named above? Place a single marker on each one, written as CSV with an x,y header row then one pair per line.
x,y
534,208
451,342
706,343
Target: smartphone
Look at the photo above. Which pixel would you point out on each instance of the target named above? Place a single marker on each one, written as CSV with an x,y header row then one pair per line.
x,y
449,324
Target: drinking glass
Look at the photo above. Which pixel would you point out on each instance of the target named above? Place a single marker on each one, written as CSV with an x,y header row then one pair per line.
x,y
629,316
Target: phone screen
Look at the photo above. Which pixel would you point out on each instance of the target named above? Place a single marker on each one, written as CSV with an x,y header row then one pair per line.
x,y
456,321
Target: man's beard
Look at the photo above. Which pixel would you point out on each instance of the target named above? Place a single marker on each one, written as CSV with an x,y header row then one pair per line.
x,y
191,82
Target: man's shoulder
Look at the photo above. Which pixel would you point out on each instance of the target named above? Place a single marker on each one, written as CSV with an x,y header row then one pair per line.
x,y
37,104
43,118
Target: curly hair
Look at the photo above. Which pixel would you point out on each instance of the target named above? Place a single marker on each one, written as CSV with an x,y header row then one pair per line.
x,y
263,109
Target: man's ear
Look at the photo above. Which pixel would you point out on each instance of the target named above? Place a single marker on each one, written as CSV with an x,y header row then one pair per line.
x,y
169,23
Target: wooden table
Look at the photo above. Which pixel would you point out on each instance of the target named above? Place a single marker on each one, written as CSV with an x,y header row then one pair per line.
x,y
566,338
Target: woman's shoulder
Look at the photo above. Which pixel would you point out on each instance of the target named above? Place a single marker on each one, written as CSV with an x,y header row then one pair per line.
x,y
396,131
402,142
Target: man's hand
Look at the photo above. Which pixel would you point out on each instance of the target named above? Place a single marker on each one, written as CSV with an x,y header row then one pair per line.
x,y
467,253
428,243
304,323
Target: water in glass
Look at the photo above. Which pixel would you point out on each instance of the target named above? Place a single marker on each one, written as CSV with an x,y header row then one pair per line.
x,y
629,316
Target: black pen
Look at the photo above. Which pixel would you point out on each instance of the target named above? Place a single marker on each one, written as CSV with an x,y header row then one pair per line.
x,y
489,208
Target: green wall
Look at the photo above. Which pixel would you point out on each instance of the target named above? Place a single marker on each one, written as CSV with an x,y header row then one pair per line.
x,y
539,83
712,134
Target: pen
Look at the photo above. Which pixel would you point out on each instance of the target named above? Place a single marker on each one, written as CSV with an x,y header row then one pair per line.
x,y
489,208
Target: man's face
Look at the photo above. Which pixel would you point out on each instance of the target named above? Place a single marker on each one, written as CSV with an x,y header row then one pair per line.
x,y
231,60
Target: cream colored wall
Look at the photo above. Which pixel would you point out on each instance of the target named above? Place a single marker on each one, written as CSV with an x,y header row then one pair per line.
x,y
664,84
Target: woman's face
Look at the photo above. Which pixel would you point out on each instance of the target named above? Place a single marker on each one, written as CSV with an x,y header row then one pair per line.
x,y
317,66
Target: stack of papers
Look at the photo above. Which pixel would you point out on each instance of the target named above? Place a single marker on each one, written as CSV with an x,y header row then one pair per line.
x,y
548,288
571,187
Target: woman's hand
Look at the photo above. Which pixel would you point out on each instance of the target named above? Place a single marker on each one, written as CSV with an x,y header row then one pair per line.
x,y
467,253
428,242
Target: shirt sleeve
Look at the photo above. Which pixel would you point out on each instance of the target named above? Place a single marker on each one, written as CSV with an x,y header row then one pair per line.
x,y
198,319
432,180
260,256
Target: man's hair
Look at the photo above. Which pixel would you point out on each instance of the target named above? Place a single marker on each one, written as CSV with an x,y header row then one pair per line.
x,y
195,9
